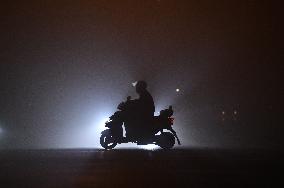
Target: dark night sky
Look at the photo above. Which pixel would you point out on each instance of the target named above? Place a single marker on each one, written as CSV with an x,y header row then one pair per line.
x,y
64,66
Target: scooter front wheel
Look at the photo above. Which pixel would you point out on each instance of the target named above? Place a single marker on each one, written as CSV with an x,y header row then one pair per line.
x,y
107,141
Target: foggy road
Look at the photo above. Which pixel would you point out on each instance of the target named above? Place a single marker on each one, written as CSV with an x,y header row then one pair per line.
x,y
138,168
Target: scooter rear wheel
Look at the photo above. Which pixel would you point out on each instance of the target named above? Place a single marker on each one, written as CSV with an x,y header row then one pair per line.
x,y
106,140
166,140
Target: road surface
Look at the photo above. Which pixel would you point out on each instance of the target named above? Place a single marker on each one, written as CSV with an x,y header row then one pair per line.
x,y
140,168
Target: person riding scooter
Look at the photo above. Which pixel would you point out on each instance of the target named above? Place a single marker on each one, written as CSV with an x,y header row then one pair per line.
x,y
144,104
142,111
141,126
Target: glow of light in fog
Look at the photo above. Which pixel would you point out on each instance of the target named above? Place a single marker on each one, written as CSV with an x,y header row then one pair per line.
x,y
89,132
177,90
89,137
101,124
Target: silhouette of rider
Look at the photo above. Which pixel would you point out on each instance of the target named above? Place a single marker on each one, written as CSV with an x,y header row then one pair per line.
x,y
145,103
144,109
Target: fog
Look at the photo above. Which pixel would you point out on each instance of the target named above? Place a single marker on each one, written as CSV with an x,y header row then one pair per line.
x,y
65,66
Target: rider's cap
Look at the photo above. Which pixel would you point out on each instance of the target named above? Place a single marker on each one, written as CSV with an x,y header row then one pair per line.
x,y
134,83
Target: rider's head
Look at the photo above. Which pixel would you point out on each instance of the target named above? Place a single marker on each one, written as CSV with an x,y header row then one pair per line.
x,y
141,86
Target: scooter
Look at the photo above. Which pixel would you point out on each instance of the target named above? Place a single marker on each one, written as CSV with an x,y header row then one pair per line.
x,y
161,132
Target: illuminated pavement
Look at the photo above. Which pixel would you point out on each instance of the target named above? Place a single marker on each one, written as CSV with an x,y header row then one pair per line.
x,y
139,168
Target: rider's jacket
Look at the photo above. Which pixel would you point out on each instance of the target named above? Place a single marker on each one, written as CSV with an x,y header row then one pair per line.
x,y
145,105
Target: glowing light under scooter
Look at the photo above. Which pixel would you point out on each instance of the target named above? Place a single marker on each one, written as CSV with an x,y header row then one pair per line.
x,y
149,147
